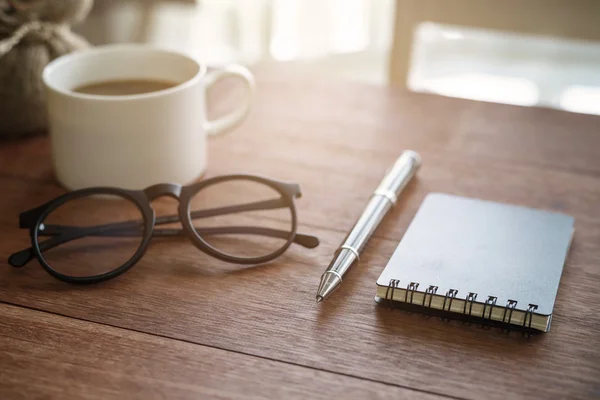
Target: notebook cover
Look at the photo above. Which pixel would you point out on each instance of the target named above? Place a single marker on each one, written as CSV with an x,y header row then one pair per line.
x,y
489,248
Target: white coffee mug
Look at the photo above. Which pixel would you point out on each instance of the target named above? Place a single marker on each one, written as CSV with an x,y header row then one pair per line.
x,y
133,141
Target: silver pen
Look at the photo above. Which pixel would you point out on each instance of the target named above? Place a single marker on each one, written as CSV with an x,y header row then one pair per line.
x,y
381,201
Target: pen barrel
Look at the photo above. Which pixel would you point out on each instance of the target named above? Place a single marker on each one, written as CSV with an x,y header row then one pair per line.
x,y
348,253
398,176
367,223
384,197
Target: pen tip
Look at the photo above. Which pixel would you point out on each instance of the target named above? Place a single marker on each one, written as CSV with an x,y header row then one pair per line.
x,y
319,299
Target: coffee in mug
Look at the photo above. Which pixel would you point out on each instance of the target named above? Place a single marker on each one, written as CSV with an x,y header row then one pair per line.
x,y
124,87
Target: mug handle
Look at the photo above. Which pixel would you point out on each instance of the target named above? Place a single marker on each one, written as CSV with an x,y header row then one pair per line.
x,y
228,122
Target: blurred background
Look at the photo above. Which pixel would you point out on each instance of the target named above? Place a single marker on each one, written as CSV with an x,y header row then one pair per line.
x,y
524,52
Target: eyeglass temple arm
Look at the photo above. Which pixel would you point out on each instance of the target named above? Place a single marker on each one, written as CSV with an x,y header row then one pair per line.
x,y
61,235
65,234
307,241
57,231
212,212
21,258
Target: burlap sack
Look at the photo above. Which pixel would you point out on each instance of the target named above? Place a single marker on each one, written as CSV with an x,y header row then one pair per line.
x,y
32,33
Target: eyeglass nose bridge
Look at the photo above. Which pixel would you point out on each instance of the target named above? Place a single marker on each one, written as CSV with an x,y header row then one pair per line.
x,y
163,189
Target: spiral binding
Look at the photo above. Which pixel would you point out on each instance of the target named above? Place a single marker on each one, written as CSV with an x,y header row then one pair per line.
x,y
509,307
530,310
450,294
469,300
490,301
486,313
410,288
389,292
431,290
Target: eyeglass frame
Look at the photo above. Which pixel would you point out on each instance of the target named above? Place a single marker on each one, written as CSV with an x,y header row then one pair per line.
x,y
34,218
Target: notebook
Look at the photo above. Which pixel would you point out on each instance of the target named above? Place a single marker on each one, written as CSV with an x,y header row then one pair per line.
x,y
479,260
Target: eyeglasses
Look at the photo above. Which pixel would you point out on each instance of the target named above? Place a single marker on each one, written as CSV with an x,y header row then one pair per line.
x,y
95,234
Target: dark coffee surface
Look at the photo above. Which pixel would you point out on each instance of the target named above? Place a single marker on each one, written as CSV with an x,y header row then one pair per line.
x,y
124,87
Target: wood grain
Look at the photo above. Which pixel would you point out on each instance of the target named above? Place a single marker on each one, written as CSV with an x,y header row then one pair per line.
x,y
337,140
269,311
361,124
53,357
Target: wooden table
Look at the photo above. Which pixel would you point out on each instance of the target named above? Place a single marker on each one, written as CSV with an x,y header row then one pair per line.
x,y
182,325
